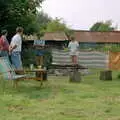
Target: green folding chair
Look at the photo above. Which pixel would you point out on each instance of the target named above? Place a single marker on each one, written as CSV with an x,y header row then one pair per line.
x,y
7,71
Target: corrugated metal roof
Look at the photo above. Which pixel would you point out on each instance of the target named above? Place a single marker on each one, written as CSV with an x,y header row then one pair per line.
x,y
56,36
101,37
81,36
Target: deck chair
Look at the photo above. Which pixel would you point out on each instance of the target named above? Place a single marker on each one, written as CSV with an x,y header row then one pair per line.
x,y
7,71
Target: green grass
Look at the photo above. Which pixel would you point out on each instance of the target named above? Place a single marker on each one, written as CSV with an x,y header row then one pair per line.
x,y
58,99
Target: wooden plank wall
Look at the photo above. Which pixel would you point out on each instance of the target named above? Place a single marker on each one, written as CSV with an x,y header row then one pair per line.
x,y
114,60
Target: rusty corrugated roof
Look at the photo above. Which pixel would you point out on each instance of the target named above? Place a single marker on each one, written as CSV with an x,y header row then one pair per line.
x,y
101,37
82,36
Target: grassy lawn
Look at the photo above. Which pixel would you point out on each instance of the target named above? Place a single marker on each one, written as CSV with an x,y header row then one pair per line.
x,y
58,99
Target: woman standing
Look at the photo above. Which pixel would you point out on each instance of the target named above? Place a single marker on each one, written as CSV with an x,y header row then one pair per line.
x,y
4,45
73,48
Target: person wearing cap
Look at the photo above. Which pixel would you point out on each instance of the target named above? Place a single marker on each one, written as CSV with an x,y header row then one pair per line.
x,y
4,45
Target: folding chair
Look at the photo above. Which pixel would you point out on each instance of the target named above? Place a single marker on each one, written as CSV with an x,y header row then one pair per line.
x,y
7,71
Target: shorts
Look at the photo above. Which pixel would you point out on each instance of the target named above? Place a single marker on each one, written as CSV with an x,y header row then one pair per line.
x,y
40,52
72,53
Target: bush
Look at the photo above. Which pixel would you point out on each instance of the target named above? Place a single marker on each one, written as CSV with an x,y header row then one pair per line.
x,y
28,57
47,58
118,76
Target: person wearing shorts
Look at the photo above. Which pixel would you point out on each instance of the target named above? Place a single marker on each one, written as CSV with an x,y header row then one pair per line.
x,y
40,51
73,48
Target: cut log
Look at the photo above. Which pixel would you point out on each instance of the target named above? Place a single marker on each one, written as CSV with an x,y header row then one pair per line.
x,y
106,75
75,76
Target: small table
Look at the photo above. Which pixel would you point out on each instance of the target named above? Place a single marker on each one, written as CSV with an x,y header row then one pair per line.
x,y
37,77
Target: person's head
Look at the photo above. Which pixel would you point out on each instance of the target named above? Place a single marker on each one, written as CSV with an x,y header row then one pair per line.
x,y
19,30
72,38
4,32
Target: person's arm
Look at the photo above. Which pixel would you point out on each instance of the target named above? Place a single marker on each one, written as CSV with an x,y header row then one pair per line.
x,y
38,46
11,48
14,44
1,43
77,45
69,45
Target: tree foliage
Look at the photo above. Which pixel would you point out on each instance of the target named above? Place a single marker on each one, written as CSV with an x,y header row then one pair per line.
x,y
103,26
42,19
56,25
15,13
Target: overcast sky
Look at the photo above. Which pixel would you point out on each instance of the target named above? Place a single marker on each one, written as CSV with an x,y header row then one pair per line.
x,y
82,14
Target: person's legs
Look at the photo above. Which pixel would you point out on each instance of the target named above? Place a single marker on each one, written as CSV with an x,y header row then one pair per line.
x,y
39,60
75,60
4,54
72,57
16,60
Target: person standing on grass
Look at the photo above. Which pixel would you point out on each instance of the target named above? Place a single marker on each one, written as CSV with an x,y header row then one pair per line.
x,y
15,49
4,45
73,48
39,46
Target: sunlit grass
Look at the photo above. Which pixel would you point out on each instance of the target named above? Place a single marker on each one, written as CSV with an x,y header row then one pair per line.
x,y
58,99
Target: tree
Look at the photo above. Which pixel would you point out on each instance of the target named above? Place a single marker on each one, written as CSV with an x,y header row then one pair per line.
x,y
56,25
15,13
103,26
42,19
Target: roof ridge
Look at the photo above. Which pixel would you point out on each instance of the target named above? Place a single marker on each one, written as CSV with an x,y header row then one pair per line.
x,y
94,31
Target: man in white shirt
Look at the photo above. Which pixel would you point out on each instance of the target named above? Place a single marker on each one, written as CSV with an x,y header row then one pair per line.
x,y
15,48
73,48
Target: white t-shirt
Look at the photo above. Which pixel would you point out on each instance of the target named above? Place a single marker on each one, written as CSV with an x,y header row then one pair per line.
x,y
16,40
73,46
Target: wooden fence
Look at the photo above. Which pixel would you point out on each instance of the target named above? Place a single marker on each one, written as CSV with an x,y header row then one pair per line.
x,y
114,60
